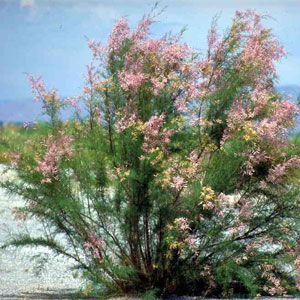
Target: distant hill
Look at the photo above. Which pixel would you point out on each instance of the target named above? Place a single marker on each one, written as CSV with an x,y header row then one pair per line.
x,y
20,111
28,110
292,91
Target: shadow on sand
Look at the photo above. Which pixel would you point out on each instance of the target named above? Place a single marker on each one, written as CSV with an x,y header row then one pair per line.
x,y
49,294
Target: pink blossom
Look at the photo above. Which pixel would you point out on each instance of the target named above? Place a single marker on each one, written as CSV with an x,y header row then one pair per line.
x,y
130,117
255,156
120,33
56,150
94,244
182,224
73,101
92,79
142,29
174,53
260,97
208,205
277,172
252,246
97,49
180,104
153,135
14,158
131,80
158,84
191,241
285,112
207,274
221,204
50,98
274,283
212,36
258,50
178,183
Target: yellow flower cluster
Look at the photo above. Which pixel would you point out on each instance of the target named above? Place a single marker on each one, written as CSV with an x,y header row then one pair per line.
x,y
77,125
211,147
166,179
138,128
158,158
170,226
177,120
123,175
250,133
179,246
87,290
207,193
102,86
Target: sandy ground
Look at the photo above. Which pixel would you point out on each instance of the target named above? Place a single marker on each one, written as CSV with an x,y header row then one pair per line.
x,y
35,273
30,273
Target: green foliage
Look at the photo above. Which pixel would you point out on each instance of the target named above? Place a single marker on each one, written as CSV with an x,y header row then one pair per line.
x,y
13,138
235,278
150,294
224,168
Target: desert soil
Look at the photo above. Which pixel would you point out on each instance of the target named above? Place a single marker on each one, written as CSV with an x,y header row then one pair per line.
x,y
30,273
36,273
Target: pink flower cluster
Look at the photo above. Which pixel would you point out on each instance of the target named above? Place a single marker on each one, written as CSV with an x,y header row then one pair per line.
x,y
120,33
166,56
274,128
142,29
260,97
236,117
260,48
19,214
221,204
207,273
156,64
274,287
98,50
191,241
130,80
73,101
182,224
94,244
180,173
14,158
260,51
255,244
212,36
277,173
153,135
178,183
92,80
129,118
255,156
50,98
56,150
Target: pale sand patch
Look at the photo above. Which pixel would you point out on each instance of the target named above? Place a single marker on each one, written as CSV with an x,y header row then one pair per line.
x,y
20,273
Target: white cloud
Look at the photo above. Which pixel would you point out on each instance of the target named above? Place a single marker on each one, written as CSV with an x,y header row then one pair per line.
x,y
25,3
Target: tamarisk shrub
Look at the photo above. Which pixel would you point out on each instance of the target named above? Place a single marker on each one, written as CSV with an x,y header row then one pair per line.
x,y
176,173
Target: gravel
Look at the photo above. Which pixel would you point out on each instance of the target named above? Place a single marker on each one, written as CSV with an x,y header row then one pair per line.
x,y
36,273
30,272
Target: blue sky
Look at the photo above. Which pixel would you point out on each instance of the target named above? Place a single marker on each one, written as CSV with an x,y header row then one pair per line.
x,y
49,37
